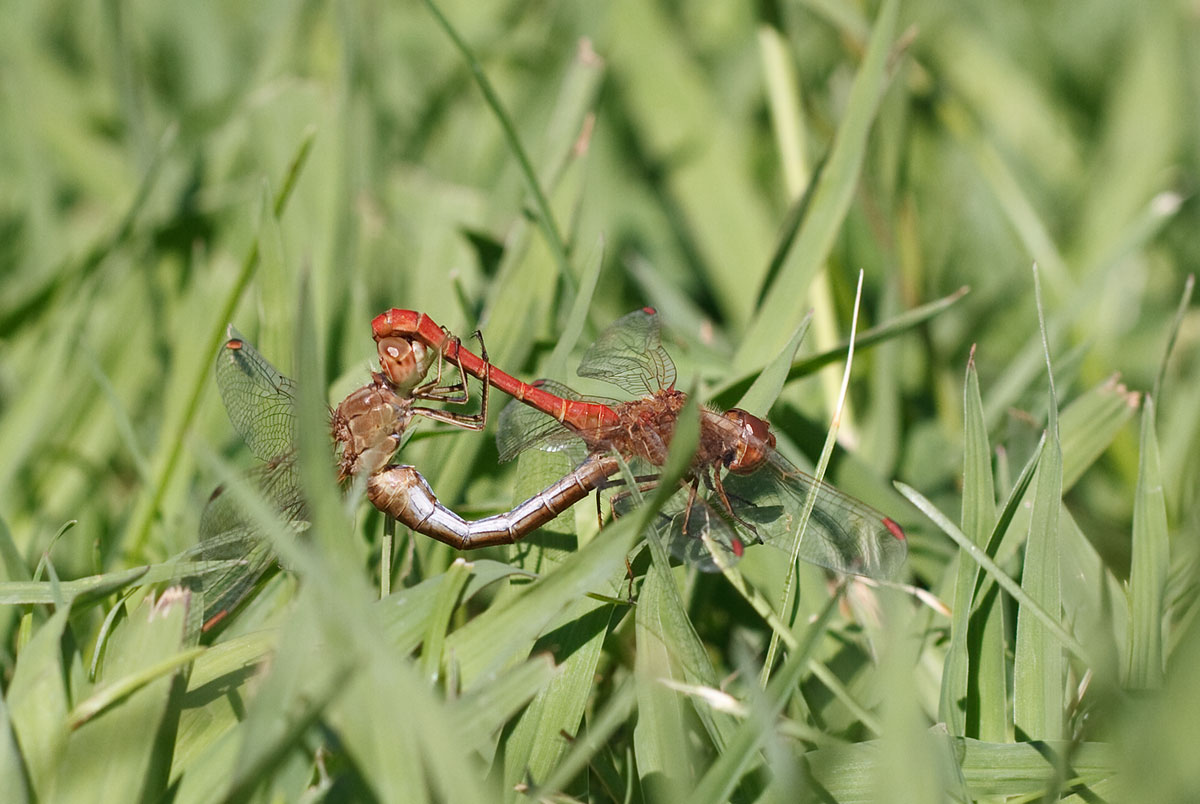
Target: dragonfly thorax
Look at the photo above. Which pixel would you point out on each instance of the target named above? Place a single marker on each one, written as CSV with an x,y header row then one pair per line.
x,y
367,427
644,426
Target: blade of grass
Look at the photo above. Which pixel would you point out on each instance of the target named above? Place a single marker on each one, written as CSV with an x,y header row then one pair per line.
x,y
969,676
1145,660
174,436
661,741
576,318
1090,423
70,276
684,133
726,394
37,703
123,718
761,395
1023,370
438,623
545,216
489,640
615,714
785,604
1038,668
1185,299
483,713
542,734
726,772
994,572
11,768
831,199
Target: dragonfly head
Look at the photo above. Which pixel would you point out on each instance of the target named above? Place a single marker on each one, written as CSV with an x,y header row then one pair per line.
x,y
749,450
404,362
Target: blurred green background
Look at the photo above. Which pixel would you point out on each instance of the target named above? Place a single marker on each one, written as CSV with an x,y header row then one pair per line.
x,y
734,165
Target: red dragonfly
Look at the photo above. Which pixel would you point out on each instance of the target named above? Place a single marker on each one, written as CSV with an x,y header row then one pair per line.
x,y
737,482
367,426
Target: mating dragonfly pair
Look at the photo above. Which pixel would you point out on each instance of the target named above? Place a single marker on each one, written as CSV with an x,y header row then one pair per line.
x,y
738,488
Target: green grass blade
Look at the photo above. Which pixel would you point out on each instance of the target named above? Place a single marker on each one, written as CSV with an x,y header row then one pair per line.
x,y
1090,423
1185,298
537,743
998,575
660,740
491,639
137,698
1146,658
1038,666
725,773
37,704
682,124
760,396
789,590
989,769
438,622
404,614
11,768
14,564
726,395
974,678
545,216
831,200
483,713
174,436
600,728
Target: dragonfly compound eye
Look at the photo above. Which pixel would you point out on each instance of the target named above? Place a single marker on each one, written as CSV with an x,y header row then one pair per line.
x,y
403,361
751,449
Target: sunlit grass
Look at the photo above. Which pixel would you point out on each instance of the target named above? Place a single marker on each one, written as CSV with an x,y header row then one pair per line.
x,y
169,168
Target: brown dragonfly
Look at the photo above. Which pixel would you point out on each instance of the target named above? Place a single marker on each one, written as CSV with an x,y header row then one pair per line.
x,y
367,428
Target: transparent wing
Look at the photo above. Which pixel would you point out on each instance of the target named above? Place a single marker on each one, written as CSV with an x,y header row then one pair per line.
x,y
693,530
227,532
522,427
630,355
844,534
260,401
222,591
261,405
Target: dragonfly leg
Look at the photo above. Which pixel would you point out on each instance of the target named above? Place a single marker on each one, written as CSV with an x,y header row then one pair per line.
x,y
457,394
716,485
645,483
468,421
687,510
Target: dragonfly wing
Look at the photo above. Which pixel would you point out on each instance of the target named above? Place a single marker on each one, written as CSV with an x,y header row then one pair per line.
x,y
630,355
693,530
843,534
228,534
522,427
260,401
224,590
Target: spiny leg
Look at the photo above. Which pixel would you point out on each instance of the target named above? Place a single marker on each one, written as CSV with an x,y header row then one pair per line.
x,y
693,487
433,390
645,483
458,393
716,485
